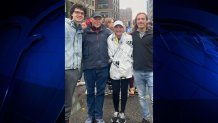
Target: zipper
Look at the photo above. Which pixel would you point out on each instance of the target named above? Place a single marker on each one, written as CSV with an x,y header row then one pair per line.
x,y
97,39
98,46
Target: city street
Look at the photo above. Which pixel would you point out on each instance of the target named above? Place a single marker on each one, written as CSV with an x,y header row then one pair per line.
x,y
79,114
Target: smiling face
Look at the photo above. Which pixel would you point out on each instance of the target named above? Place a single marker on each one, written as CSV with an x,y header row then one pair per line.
x,y
141,21
78,15
96,21
118,29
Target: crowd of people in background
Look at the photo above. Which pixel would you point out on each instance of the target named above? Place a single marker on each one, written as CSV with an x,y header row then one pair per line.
x,y
113,58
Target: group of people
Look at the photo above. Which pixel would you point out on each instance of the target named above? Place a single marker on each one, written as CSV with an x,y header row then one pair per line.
x,y
103,52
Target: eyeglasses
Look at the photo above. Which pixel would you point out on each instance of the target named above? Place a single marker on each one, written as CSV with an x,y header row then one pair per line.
x,y
78,12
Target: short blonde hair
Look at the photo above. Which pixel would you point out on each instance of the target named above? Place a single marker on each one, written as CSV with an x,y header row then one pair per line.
x,y
107,21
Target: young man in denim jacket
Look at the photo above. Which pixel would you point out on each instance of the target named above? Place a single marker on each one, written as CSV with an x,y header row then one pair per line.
x,y
73,54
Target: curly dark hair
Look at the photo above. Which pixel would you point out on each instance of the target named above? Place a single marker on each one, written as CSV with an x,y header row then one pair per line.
x,y
77,6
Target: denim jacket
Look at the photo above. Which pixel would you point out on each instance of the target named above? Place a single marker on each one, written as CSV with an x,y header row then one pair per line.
x,y
73,45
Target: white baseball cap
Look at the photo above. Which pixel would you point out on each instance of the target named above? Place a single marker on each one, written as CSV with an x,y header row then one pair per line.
x,y
118,22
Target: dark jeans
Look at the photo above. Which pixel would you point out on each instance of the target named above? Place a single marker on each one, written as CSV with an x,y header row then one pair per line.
x,y
71,78
118,85
95,78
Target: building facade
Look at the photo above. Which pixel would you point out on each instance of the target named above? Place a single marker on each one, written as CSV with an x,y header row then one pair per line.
x,y
108,8
126,16
150,10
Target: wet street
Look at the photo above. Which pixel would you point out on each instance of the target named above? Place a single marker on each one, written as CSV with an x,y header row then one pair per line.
x,y
79,113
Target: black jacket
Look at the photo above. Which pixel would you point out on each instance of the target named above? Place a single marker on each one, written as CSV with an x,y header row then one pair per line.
x,y
143,51
95,49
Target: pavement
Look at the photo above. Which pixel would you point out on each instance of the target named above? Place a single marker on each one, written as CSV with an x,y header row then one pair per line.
x,y
79,110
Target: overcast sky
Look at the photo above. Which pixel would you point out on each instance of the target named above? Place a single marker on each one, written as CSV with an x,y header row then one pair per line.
x,y
136,5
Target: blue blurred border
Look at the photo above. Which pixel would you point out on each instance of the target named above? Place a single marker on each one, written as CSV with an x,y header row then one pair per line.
x,y
185,61
32,61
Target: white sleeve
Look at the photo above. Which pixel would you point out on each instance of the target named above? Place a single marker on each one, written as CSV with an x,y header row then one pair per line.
x,y
110,51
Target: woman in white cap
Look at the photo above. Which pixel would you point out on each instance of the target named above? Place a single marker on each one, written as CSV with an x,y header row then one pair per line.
x,y
121,70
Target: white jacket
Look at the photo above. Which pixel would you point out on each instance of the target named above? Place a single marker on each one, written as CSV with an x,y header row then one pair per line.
x,y
121,56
